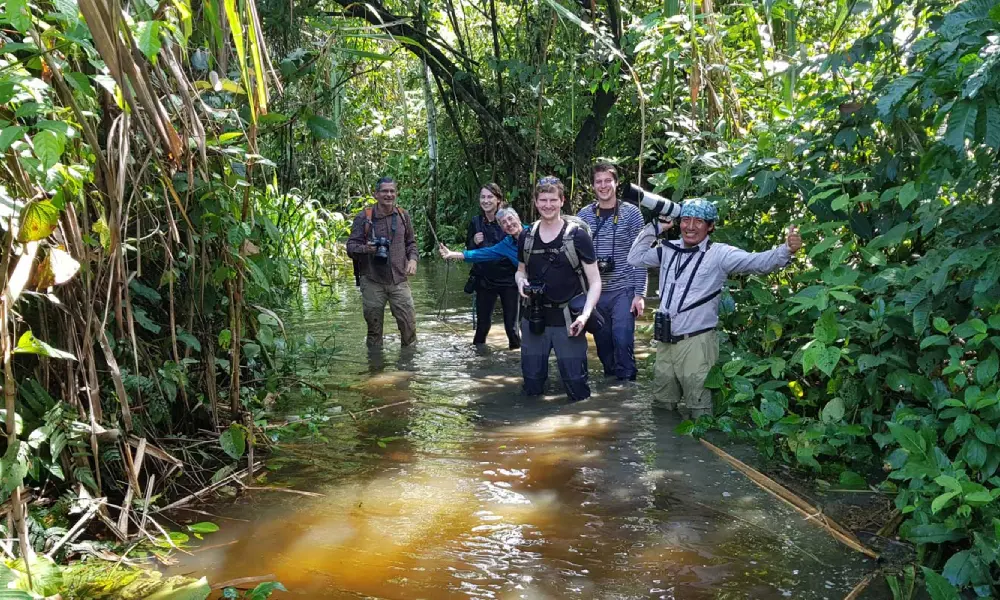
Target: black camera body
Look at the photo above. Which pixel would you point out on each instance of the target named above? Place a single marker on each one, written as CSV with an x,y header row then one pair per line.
x,y
381,248
536,311
661,327
606,264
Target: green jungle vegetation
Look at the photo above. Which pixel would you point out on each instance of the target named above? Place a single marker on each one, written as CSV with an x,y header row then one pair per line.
x,y
173,170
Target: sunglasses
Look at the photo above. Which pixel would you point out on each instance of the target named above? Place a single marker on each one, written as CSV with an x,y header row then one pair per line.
x,y
549,181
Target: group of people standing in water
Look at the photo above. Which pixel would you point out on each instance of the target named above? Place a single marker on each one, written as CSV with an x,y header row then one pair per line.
x,y
566,275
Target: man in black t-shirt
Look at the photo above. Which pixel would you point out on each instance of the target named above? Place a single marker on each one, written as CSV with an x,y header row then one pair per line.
x,y
556,266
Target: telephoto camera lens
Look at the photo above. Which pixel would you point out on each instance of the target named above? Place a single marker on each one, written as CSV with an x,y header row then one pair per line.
x,y
655,203
536,312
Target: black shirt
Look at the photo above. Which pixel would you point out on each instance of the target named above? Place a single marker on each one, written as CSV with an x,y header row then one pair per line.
x,y
495,274
553,269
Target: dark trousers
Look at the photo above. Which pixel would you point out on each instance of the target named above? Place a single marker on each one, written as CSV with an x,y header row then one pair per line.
x,y
485,301
571,357
616,340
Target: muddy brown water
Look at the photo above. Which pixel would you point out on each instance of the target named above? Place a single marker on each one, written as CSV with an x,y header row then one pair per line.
x,y
473,491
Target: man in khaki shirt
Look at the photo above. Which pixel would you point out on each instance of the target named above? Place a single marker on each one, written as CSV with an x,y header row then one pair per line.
x,y
384,249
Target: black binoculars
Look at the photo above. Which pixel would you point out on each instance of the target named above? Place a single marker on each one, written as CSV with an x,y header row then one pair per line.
x,y
661,327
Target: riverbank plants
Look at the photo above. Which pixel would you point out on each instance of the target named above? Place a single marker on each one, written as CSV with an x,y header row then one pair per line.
x,y
172,172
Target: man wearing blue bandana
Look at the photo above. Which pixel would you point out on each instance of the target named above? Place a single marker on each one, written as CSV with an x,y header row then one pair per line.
x,y
693,270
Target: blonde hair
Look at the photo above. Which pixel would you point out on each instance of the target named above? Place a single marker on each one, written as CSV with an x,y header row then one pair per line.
x,y
549,185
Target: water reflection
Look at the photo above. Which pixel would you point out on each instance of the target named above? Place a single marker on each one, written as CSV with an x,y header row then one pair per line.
x,y
482,493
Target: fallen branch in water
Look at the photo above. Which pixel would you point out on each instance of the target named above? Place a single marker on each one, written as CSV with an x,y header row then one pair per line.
x,y
784,538
807,510
77,528
237,475
286,490
856,592
373,409
214,546
243,581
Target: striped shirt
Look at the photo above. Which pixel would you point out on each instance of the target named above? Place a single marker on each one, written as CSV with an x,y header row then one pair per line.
x,y
613,236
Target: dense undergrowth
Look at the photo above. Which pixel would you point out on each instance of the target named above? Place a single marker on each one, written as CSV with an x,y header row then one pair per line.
x,y
172,172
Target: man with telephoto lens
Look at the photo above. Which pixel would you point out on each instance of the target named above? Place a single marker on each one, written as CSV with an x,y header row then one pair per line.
x,y
557,277
614,225
384,250
693,270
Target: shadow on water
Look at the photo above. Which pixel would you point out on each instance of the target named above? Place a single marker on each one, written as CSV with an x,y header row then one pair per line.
x,y
481,493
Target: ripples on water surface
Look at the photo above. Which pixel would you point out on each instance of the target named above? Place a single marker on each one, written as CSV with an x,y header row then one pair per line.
x,y
481,493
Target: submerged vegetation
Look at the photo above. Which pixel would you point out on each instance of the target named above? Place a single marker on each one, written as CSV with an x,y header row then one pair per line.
x,y
172,171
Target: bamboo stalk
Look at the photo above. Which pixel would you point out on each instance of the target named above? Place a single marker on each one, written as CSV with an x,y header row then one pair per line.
x,y
811,513
858,589
77,528
207,489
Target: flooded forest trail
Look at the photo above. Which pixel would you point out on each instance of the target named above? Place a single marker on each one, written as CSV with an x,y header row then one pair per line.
x,y
470,490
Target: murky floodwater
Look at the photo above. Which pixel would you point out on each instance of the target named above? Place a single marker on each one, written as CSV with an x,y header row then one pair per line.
x,y
472,491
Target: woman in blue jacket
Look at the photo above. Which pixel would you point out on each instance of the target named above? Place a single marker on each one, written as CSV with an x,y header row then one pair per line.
x,y
494,260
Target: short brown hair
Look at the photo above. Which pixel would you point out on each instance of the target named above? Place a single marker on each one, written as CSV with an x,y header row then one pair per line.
x,y
495,190
550,184
604,167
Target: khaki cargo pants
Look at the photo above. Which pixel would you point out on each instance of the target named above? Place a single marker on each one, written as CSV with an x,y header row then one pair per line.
x,y
680,371
374,297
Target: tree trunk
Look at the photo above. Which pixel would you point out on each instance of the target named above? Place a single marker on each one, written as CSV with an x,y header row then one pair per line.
x,y
432,153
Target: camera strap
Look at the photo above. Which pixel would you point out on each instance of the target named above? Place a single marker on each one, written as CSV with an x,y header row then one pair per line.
x,y
679,269
599,224
370,225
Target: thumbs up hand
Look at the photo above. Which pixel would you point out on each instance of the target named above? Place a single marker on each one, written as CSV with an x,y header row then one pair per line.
x,y
793,239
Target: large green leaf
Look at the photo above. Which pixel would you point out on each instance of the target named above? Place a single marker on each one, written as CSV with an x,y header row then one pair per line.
x,y
264,590
938,587
29,344
203,527
961,124
907,194
19,14
968,17
49,146
986,370
197,590
895,92
13,465
149,38
992,135
9,134
908,440
964,568
38,220
933,533
234,441
46,576
322,127
833,412
825,329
